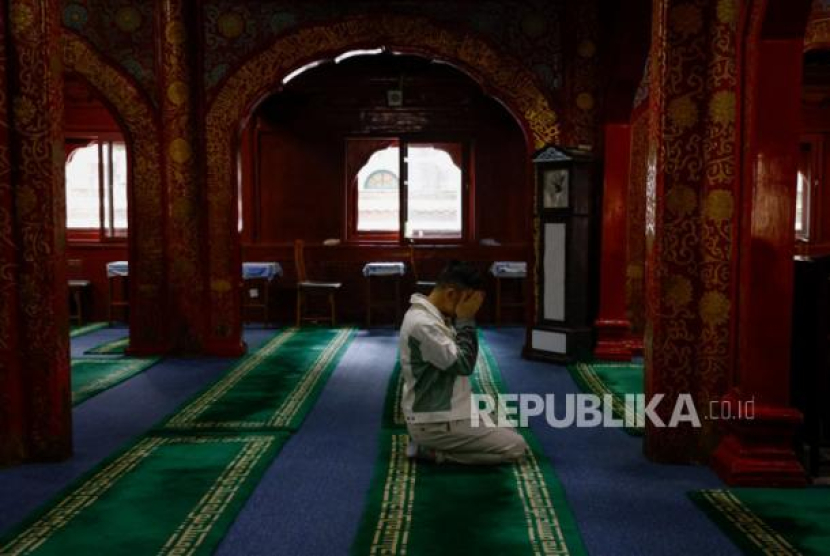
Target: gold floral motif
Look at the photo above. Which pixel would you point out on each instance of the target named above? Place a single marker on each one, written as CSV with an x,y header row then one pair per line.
x,y
24,110
727,11
714,308
175,33
683,112
180,150
177,92
231,25
585,101
719,205
681,200
678,291
686,19
128,19
21,18
722,107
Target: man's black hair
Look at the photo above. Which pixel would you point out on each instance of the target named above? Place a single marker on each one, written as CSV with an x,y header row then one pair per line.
x,y
461,275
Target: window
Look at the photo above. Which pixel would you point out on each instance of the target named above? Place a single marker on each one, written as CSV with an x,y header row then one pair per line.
x,y
406,189
806,178
96,188
378,194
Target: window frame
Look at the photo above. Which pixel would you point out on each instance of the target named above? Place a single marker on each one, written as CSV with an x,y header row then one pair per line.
x,y
102,233
354,236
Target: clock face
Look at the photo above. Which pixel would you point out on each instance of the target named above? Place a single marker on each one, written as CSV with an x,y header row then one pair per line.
x,y
555,188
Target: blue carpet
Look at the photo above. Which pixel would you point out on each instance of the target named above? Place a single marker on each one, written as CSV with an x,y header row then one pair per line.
x,y
311,499
624,504
109,421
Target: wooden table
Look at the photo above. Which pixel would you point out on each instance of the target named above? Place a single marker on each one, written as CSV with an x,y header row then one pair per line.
x,y
78,291
384,271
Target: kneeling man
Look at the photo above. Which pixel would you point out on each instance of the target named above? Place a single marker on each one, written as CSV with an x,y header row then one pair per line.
x,y
437,360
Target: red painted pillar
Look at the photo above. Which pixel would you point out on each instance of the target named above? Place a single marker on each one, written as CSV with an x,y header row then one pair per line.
x,y
35,396
186,265
613,328
12,433
690,221
760,451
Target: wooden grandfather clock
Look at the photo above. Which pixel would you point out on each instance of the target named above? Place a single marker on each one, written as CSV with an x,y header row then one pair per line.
x,y
565,244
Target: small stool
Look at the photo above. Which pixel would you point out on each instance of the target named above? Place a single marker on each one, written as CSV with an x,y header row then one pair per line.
x,y
376,270
256,292
507,270
118,272
78,290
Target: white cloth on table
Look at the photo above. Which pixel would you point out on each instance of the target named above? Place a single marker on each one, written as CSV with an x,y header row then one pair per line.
x,y
261,270
384,269
118,268
509,269
249,270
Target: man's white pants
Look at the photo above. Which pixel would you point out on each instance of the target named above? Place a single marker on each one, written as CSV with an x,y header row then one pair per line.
x,y
460,442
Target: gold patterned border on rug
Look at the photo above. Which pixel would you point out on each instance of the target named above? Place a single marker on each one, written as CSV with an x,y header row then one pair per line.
x,y
206,512
289,408
395,517
189,414
753,527
292,404
129,368
543,528
599,388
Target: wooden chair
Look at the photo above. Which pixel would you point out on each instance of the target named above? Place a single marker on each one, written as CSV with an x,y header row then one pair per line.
x,y
420,285
309,287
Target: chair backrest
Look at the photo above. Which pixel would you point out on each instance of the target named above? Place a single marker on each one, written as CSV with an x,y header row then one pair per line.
x,y
412,261
299,260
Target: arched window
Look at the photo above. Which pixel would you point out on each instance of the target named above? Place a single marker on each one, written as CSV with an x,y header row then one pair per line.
x,y
432,190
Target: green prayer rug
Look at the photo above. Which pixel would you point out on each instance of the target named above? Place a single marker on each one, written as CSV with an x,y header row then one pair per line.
x,y
75,331
765,521
429,509
177,492
166,495
271,389
622,382
113,347
93,376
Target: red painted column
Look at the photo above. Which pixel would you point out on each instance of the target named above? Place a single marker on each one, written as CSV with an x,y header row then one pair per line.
x,y
613,328
691,220
12,431
35,380
760,451
186,265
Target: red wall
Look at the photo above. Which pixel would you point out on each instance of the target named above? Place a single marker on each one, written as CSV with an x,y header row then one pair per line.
x,y
294,182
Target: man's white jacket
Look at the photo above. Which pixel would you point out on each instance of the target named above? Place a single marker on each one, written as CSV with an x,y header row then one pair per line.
x,y
436,362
